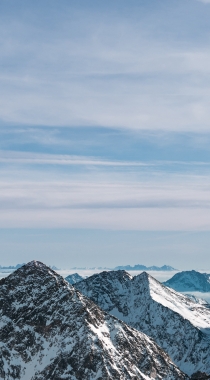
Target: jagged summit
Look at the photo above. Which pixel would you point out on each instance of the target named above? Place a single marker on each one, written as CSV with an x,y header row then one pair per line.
x,y
175,322
34,272
49,331
144,276
36,265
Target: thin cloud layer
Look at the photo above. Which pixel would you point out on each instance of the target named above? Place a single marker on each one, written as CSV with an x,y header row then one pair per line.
x,y
136,67
104,199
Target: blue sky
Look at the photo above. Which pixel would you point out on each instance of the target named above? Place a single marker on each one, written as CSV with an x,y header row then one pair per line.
x,y
105,132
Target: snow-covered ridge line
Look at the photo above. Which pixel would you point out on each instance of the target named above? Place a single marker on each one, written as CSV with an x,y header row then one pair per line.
x,y
49,330
177,323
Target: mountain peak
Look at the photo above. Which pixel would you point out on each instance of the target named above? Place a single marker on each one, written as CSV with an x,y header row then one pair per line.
x,y
49,330
35,273
170,318
189,281
147,280
119,275
36,264
144,276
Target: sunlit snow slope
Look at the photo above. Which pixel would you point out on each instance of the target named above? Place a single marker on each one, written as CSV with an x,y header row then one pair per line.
x,y
179,325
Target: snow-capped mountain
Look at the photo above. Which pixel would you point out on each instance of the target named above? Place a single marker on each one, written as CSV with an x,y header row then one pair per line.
x,y
189,281
73,278
50,331
179,325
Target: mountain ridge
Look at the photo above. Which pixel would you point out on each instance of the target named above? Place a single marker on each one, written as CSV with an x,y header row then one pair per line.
x,y
49,330
129,267
144,268
175,322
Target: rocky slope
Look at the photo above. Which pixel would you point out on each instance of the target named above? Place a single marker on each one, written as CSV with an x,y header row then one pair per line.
x,y
74,278
189,281
179,325
50,331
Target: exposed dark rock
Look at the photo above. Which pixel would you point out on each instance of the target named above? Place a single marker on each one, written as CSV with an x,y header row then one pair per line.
x,y
200,376
50,331
179,325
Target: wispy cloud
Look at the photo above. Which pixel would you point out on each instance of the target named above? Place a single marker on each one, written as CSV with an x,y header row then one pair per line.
x,y
58,159
109,200
152,219
129,68
114,70
32,158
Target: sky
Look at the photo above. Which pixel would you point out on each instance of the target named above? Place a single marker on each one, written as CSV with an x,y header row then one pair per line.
x,y
105,132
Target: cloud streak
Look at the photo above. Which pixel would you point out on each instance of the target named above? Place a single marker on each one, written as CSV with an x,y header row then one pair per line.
x,y
25,158
122,219
175,202
56,159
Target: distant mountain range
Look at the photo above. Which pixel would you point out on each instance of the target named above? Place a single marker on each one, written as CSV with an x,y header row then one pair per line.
x,y
91,268
144,268
11,267
129,267
177,323
187,281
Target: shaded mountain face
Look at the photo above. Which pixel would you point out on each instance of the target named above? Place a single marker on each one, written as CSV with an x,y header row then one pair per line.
x,y
179,325
74,278
189,281
50,331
